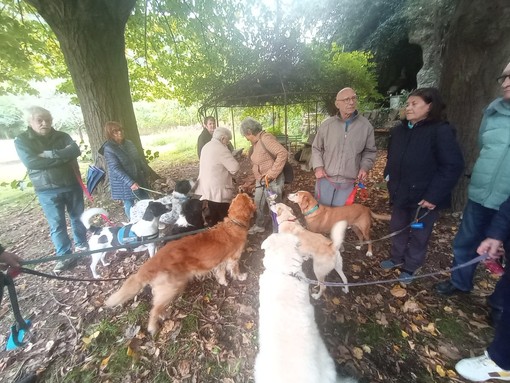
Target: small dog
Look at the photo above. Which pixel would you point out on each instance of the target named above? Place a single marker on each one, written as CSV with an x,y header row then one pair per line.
x,y
215,250
175,201
291,349
320,218
129,235
325,253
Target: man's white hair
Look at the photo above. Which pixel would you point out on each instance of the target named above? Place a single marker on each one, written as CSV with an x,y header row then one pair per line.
x,y
36,110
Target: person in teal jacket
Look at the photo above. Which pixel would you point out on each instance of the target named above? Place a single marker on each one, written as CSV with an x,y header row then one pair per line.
x,y
488,189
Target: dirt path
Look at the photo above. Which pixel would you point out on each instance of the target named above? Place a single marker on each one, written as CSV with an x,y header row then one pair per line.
x,y
379,333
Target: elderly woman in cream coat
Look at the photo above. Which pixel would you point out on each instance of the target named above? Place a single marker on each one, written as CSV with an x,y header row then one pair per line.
x,y
215,182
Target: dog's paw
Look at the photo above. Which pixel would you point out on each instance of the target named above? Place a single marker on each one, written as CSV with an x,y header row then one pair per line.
x,y
316,295
153,327
345,289
369,254
358,247
242,277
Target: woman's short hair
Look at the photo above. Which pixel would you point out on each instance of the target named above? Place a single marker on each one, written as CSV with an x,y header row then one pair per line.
x,y
111,127
219,133
250,124
431,96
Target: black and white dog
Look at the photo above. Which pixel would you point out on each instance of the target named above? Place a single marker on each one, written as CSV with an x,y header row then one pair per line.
x,y
191,217
128,235
175,199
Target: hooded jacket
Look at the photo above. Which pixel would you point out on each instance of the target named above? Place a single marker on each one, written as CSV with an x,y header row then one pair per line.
x,y
490,179
58,169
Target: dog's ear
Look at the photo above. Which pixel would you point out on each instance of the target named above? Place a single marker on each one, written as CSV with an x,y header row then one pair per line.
x,y
305,201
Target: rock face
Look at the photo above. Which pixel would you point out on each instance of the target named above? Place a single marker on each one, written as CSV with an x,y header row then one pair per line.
x,y
428,27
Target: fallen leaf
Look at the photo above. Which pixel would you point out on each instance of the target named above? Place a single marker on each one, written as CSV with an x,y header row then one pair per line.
x,y
448,309
336,301
404,334
410,306
249,325
430,328
104,363
358,353
440,371
398,291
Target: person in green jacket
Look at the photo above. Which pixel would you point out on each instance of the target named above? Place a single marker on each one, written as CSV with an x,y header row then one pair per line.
x,y
488,189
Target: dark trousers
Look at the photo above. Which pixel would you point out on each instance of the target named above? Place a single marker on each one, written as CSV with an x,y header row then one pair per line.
x,y
499,349
216,212
410,246
476,220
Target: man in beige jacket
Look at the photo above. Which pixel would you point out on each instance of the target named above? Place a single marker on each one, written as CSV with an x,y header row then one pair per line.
x,y
343,150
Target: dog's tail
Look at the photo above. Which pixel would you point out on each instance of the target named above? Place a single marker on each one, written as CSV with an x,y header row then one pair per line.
x,y
338,233
89,213
383,217
128,290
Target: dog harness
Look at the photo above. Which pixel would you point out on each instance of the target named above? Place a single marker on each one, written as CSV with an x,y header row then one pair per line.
x,y
125,236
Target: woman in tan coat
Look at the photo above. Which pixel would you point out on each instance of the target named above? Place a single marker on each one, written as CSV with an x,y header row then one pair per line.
x,y
268,157
215,182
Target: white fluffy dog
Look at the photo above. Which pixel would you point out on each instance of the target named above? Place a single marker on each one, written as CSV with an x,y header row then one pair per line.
x,y
291,349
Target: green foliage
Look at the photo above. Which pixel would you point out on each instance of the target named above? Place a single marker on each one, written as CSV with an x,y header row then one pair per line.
x,y
150,155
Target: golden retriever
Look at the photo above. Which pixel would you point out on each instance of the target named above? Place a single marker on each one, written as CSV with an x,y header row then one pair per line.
x,y
215,250
320,218
325,252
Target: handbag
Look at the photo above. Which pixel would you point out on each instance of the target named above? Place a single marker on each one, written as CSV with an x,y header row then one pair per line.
x,y
288,171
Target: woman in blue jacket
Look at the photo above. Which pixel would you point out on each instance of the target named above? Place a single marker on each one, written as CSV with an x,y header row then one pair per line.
x,y
126,168
424,163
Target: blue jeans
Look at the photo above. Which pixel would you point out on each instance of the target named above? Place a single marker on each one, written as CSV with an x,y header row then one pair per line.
x,y
261,201
475,221
129,203
332,193
54,204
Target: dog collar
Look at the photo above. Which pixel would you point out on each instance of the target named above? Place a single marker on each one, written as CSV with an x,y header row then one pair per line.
x,y
238,223
311,210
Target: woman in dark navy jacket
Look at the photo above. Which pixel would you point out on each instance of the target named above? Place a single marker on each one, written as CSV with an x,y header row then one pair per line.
x,y
424,164
126,168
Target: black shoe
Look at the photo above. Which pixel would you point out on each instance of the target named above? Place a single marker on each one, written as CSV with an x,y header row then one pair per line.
x,y
446,288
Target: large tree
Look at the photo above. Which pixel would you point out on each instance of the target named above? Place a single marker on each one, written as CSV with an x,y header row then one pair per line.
x,y
91,37
477,48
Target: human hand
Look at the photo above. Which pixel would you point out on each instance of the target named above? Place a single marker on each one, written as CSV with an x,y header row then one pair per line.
x,y
320,173
46,154
10,259
362,174
135,186
491,247
426,205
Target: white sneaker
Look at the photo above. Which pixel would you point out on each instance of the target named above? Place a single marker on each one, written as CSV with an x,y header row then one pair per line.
x,y
480,369
256,229
79,248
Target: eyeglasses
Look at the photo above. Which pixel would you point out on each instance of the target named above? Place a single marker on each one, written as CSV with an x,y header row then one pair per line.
x,y
501,79
117,131
348,99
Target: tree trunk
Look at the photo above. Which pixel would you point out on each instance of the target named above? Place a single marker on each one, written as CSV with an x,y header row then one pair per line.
x,y
477,50
91,36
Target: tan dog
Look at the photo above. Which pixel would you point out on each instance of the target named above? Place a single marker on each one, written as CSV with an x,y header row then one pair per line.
x,y
320,218
325,252
215,250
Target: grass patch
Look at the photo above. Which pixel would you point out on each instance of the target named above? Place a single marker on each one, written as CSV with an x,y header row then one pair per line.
x,y
10,196
189,325
104,334
139,313
453,329
377,335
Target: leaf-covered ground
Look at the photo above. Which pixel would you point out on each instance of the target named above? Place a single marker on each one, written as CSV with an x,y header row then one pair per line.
x,y
378,333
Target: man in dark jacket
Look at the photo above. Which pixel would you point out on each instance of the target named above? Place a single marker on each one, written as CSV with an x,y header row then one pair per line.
x,y
50,158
